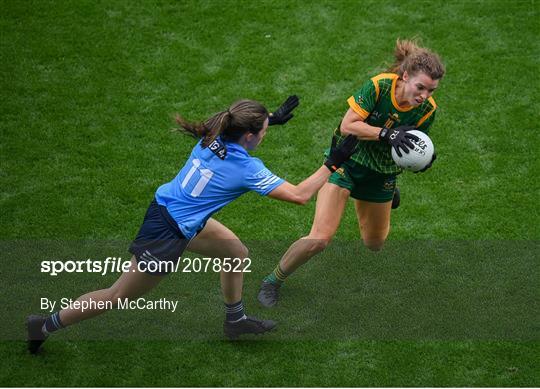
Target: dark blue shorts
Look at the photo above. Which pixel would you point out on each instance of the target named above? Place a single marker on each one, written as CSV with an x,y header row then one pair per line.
x,y
159,243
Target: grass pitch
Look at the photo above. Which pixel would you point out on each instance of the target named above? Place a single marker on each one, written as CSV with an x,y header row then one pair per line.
x,y
88,91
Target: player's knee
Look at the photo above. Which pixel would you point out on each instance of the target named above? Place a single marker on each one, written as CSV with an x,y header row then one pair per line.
x,y
322,244
317,244
374,238
374,244
241,251
118,294
234,249
115,295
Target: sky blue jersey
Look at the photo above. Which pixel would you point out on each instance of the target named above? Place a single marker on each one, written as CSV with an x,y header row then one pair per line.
x,y
211,178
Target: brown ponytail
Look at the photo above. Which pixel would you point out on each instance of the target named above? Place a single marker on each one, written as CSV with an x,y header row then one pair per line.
x,y
241,117
411,58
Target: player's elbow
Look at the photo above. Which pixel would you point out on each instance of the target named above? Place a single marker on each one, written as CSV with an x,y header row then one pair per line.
x,y
303,201
299,196
300,199
291,194
343,130
345,127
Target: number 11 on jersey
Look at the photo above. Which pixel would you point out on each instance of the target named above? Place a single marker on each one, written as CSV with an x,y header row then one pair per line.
x,y
204,177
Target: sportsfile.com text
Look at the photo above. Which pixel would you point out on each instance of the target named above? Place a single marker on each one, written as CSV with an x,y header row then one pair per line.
x,y
118,265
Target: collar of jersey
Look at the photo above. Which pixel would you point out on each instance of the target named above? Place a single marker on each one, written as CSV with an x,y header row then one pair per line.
x,y
234,146
394,100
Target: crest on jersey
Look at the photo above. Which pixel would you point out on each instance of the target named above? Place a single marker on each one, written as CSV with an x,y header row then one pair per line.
x,y
389,184
392,118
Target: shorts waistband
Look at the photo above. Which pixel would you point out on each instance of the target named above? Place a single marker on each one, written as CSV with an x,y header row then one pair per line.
x,y
169,219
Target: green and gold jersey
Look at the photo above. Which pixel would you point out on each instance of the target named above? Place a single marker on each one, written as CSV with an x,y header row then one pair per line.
x,y
376,104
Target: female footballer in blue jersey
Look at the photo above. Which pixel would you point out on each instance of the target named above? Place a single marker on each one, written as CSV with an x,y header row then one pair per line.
x,y
218,171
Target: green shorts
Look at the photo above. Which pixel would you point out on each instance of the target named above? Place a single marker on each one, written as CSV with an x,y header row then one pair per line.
x,y
364,183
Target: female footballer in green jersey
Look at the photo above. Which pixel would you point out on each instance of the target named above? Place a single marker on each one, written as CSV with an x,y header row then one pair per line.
x,y
379,115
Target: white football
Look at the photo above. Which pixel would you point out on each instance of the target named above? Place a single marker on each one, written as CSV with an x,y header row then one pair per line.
x,y
418,158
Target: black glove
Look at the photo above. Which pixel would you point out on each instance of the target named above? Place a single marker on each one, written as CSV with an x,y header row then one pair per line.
x,y
398,138
283,114
429,164
341,153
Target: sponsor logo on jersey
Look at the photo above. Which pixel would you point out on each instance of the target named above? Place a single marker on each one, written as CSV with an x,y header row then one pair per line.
x,y
376,115
218,149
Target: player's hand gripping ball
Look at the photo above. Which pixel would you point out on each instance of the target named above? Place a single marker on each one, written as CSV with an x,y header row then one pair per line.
x,y
420,157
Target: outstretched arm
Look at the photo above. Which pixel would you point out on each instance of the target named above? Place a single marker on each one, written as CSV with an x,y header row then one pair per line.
x,y
302,193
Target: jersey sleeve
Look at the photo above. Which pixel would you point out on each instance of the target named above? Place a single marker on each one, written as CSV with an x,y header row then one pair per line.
x,y
260,179
424,126
428,116
363,102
